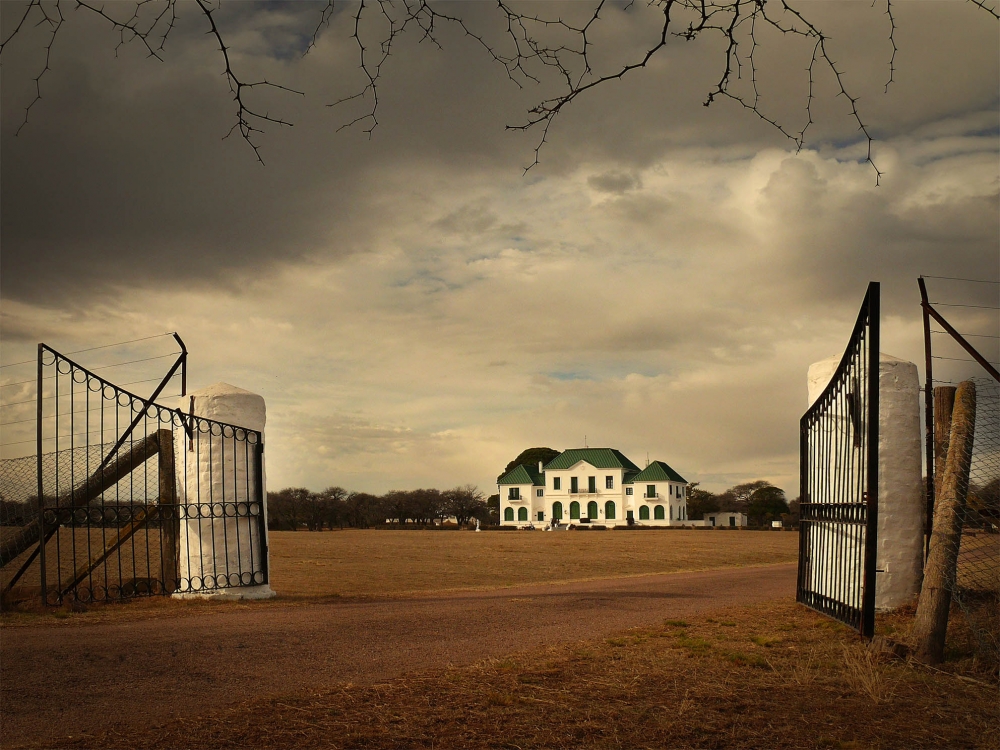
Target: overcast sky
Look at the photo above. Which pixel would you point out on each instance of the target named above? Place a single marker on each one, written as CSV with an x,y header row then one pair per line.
x,y
416,309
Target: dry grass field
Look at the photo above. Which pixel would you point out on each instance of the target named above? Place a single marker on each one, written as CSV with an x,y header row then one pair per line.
x,y
774,676
391,563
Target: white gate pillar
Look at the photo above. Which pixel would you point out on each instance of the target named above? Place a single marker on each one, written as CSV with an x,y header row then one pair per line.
x,y
900,497
217,473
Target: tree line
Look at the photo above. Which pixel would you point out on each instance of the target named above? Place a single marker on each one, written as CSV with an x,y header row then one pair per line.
x,y
295,508
760,500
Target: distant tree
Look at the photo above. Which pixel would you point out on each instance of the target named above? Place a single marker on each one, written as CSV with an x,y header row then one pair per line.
x,y
794,513
397,506
530,457
701,502
493,507
464,503
286,509
427,505
766,504
335,512
361,509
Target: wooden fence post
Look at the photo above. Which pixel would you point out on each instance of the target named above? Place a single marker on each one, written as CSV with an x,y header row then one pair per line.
x,y
169,521
952,489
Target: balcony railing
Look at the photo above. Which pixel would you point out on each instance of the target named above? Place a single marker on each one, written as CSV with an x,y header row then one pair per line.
x,y
656,496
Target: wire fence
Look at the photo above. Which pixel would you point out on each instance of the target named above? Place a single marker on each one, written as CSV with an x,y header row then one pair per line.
x,y
117,506
976,588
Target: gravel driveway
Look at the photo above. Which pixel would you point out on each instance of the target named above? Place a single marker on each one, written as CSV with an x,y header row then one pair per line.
x,y
59,679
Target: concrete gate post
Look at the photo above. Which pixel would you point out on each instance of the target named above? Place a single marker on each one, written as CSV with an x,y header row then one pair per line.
x,y
217,473
901,506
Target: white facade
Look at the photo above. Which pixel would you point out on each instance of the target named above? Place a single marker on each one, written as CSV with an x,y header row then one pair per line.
x,y
586,492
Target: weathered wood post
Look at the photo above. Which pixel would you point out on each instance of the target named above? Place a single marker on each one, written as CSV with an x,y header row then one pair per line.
x,y
169,523
931,623
944,405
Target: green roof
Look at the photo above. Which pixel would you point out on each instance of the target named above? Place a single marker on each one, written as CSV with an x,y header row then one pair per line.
x,y
522,474
657,471
599,458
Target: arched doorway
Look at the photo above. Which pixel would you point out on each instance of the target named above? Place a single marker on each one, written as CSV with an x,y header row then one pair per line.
x,y
658,513
557,511
592,510
508,513
644,513
574,510
522,514
609,510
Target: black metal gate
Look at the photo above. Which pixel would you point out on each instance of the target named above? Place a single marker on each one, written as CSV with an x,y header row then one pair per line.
x,y
133,498
839,483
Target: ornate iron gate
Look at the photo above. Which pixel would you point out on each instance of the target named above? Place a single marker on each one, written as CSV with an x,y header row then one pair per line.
x,y
134,498
838,465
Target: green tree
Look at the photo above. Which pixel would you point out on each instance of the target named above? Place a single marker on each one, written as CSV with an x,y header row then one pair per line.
x,y
530,457
766,504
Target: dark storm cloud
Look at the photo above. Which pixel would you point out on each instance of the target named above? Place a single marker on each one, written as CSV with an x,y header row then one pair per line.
x,y
121,175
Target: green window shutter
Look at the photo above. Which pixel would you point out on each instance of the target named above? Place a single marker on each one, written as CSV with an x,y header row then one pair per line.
x,y
508,514
592,485
574,510
609,510
557,511
522,514
658,513
644,513
592,510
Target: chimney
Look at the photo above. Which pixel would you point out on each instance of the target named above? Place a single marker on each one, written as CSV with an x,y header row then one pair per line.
x,y
540,467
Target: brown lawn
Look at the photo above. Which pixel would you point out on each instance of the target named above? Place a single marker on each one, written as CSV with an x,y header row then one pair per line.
x,y
393,562
774,676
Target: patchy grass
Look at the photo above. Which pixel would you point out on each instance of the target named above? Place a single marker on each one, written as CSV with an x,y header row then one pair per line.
x,y
383,562
673,686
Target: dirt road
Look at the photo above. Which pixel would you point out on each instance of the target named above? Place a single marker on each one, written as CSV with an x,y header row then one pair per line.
x,y
58,680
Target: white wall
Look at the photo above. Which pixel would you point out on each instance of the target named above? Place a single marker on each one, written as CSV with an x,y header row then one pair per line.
x,y
218,470
900,503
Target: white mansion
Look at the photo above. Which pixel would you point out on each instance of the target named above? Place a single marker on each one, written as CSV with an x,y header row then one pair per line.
x,y
593,485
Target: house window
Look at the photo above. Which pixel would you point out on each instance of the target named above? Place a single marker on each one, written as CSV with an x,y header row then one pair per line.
x,y
650,490
643,512
556,483
541,515
574,511
658,513
556,511
514,493
522,514
609,509
592,510
609,483
574,484
732,520
508,513
628,490
591,485
539,493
